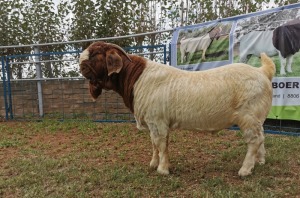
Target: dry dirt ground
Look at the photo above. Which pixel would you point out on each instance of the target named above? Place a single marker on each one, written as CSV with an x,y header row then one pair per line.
x,y
196,157
138,148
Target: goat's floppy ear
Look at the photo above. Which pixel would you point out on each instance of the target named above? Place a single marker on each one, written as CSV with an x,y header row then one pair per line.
x,y
114,62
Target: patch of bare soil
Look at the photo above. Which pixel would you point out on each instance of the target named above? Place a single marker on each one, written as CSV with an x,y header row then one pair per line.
x,y
185,146
57,144
7,154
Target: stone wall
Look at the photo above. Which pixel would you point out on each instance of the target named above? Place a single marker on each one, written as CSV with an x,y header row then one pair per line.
x,y
64,99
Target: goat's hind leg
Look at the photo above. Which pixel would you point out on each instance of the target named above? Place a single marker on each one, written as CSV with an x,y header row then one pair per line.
x,y
254,138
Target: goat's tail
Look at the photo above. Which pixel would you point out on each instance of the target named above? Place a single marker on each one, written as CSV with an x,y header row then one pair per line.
x,y
268,66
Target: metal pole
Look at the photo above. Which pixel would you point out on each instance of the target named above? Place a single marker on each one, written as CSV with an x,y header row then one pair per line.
x,y
4,86
165,54
9,89
39,76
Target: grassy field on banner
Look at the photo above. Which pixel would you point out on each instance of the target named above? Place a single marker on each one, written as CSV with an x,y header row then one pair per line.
x,y
255,61
87,159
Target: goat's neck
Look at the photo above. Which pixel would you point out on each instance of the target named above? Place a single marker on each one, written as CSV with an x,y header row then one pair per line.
x,y
127,77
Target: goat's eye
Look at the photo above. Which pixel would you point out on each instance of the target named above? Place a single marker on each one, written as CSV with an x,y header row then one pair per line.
x,y
93,81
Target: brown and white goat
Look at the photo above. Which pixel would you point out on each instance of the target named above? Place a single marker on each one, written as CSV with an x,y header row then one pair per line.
x,y
163,97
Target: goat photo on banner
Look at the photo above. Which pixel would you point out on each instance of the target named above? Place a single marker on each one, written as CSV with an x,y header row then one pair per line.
x,y
203,44
277,34
241,39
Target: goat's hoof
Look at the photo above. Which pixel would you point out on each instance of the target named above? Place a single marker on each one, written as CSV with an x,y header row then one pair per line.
x,y
243,172
140,127
261,161
163,171
154,164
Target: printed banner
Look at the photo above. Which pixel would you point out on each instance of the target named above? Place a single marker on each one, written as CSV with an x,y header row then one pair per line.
x,y
286,91
241,39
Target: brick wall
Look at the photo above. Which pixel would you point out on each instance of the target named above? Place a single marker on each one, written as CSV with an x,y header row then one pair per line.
x,y
64,99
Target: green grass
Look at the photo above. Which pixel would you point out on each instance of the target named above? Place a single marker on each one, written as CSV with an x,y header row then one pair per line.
x,y
255,61
223,45
87,159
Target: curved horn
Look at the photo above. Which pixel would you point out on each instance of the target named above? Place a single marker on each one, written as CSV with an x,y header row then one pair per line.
x,y
121,49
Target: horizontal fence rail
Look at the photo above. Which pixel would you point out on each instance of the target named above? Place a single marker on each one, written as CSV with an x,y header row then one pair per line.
x,y
63,98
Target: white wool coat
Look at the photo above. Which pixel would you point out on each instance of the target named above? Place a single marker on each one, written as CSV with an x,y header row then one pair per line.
x,y
208,100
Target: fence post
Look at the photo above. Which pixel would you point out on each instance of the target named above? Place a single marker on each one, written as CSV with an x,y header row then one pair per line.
x,y
165,54
8,87
39,76
4,87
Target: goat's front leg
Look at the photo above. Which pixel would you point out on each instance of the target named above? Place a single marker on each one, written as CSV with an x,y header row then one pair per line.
x,y
160,158
282,64
289,61
203,54
155,157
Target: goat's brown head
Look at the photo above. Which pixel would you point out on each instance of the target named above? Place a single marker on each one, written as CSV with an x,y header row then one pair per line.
x,y
215,33
98,63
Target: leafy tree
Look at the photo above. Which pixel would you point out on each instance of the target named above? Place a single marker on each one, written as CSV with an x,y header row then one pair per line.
x,y
285,2
11,33
85,20
43,21
30,22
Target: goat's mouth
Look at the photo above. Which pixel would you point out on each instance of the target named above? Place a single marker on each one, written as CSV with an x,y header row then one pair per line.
x,y
95,89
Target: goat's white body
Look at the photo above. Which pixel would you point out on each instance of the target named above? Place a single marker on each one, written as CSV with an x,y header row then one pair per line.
x,y
208,100
211,100
192,45
256,42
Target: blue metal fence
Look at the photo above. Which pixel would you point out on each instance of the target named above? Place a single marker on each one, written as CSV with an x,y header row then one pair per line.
x,y
150,48
157,52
